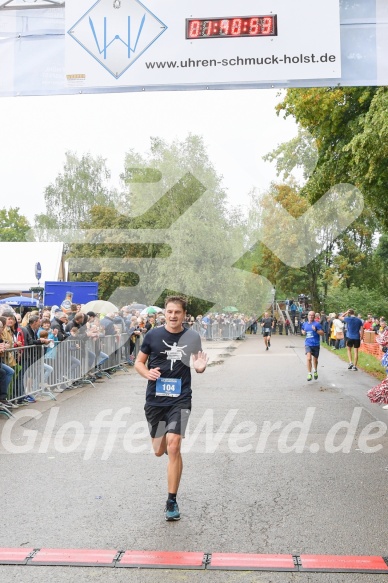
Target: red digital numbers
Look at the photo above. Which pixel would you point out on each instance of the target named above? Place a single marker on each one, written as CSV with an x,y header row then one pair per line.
x,y
224,27
236,26
194,28
233,27
207,28
254,27
267,26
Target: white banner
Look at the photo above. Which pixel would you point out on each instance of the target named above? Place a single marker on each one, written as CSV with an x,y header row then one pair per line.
x,y
116,43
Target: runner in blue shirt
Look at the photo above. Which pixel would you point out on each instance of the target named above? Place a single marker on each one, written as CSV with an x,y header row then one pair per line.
x,y
354,335
312,330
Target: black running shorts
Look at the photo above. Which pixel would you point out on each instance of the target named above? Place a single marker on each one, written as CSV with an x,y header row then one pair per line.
x,y
162,420
313,349
353,343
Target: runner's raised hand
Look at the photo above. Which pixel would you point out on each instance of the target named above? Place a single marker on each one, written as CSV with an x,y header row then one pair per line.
x,y
200,361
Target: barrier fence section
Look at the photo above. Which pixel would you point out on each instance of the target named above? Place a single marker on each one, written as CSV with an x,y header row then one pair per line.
x,y
372,348
35,369
220,331
25,369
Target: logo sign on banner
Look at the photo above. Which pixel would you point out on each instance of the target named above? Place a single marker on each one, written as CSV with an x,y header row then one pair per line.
x,y
111,43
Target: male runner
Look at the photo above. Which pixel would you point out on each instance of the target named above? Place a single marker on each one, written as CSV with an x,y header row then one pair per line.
x,y
266,324
168,400
354,335
312,330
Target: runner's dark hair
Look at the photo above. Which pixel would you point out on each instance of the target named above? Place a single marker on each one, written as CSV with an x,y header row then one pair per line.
x,y
176,300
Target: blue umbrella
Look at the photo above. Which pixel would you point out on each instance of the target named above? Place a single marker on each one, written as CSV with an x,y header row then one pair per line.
x,y
21,301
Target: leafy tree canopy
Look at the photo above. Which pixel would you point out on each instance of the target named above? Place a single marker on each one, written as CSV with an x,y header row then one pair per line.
x,y
350,128
13,226
82,185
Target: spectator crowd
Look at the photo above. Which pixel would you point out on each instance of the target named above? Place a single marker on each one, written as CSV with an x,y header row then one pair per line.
x,y
56,350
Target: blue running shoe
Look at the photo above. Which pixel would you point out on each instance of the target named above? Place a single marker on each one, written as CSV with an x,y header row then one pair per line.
x,y
172,510
30,399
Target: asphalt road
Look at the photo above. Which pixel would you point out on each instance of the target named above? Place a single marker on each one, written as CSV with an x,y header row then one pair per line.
x,y
272,464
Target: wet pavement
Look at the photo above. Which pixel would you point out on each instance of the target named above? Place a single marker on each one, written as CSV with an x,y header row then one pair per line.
x,y
273,464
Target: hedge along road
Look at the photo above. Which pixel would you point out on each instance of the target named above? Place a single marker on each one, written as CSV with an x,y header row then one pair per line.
x,y
272,464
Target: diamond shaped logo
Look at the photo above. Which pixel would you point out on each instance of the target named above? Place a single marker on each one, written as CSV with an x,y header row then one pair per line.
x,y
116,33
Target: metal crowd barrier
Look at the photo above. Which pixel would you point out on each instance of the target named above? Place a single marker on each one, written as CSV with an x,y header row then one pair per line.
x,y
28,370
38,371
219,331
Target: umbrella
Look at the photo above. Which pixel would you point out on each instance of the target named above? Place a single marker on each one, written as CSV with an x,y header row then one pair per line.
x,y
21,301
99,307
136,307
230,309
151,310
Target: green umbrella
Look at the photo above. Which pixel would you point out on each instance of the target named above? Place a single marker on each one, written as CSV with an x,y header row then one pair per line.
x,y
230,309
151,310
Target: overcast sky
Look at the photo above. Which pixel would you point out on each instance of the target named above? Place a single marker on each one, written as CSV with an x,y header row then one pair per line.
x,y
238,127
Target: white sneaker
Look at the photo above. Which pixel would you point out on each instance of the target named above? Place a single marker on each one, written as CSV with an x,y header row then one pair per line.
x,y
385,407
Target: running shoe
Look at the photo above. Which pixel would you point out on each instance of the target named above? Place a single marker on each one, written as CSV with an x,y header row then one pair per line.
x,y
30,399
350,366
267,348
172,510
355,368
315,375
309,377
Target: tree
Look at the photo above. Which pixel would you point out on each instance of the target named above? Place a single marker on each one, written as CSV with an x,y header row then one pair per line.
x,y
183,238
82,185
332,123
107,259
287,280
363,300
14,227
369,154
350,129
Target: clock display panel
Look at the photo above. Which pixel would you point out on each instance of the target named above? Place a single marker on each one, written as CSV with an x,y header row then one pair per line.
x,y
231,27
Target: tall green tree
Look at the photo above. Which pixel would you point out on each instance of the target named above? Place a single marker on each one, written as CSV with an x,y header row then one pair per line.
x,y
333,123
82,185
173,193
350,129
287,280
14,227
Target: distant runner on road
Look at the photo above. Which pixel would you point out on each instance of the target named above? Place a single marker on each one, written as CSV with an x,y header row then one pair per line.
x,y
266,324
168,350
312,330
354,335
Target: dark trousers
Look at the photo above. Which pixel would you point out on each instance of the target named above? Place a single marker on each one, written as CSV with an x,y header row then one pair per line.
x,y
3,385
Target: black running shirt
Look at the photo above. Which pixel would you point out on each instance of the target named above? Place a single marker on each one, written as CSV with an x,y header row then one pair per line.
x,y
161,346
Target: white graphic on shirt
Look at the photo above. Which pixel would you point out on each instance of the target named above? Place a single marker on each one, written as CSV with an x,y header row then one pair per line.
x,y
175,353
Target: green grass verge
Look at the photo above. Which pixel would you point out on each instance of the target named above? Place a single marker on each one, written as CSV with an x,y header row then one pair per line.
x,y
366,362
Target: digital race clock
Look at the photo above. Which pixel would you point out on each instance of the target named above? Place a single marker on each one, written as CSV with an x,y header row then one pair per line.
x,y
231,27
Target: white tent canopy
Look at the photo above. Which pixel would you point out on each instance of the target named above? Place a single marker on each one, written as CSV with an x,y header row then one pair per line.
x,y
18,262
